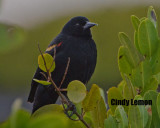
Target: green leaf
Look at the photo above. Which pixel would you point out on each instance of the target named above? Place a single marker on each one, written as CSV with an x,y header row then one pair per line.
x,y
89,121
157,77
5,124
147,38
121,86
114,94
20,119
152,85
134,117
130,88
148,125
123,62
152,95
141,75
49,120
152,16
51,108
52,115
78,107
76,91
132,53
136,42
135,22
99,114
90,101
129,92
110,122
158,104
142,19
109,112
155,61
50,64
103,95
121,117
42,82
143,111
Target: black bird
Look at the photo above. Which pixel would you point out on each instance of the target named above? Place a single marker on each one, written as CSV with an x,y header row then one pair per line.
x,y
74,42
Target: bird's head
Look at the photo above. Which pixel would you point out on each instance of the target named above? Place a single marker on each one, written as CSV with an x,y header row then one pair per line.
x,y
78,26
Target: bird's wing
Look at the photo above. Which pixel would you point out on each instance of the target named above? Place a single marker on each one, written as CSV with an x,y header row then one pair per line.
x,y
52,49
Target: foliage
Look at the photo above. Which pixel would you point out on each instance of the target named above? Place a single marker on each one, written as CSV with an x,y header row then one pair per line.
x,y
10,37
139,64
50,64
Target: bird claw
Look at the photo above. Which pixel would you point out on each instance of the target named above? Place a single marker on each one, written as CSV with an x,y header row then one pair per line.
x,y
71,107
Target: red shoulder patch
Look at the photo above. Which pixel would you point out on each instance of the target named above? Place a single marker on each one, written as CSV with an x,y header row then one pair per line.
x,y
53,46
59,44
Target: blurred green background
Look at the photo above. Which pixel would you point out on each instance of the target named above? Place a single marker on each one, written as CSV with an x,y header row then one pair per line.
x,y
19,51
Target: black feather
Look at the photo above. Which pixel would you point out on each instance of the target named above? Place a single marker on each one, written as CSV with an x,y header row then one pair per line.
x,y
76,43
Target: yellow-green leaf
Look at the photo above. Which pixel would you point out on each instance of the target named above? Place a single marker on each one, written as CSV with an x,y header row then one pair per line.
x,y
123,62
109,112
99,114
121,86
90,102
51,108
50,64
76,91
113,95
42,82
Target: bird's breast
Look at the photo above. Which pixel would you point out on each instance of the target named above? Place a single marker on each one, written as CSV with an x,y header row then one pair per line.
x,y
82,59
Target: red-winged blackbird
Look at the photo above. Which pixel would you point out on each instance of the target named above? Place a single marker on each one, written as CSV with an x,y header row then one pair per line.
x,y
74,42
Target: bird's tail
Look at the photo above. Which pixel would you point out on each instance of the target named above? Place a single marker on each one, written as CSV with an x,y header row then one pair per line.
x,y
44,96
32,93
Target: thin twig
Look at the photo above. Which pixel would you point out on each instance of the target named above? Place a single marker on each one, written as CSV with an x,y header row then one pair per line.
x,y
64,100
65,73
53,58
68,116
49,74
43,59
63,90
82,120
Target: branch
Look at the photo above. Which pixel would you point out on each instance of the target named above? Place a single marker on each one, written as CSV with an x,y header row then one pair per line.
x,y
65,73
64,100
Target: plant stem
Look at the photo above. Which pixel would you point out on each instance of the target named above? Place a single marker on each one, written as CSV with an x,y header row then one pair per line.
x,y
58,89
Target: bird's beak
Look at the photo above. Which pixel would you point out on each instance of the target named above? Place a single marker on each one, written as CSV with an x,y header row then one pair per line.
x,y
89,25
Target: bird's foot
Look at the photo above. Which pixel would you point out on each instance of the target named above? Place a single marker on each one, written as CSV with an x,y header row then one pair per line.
x,y
70,110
